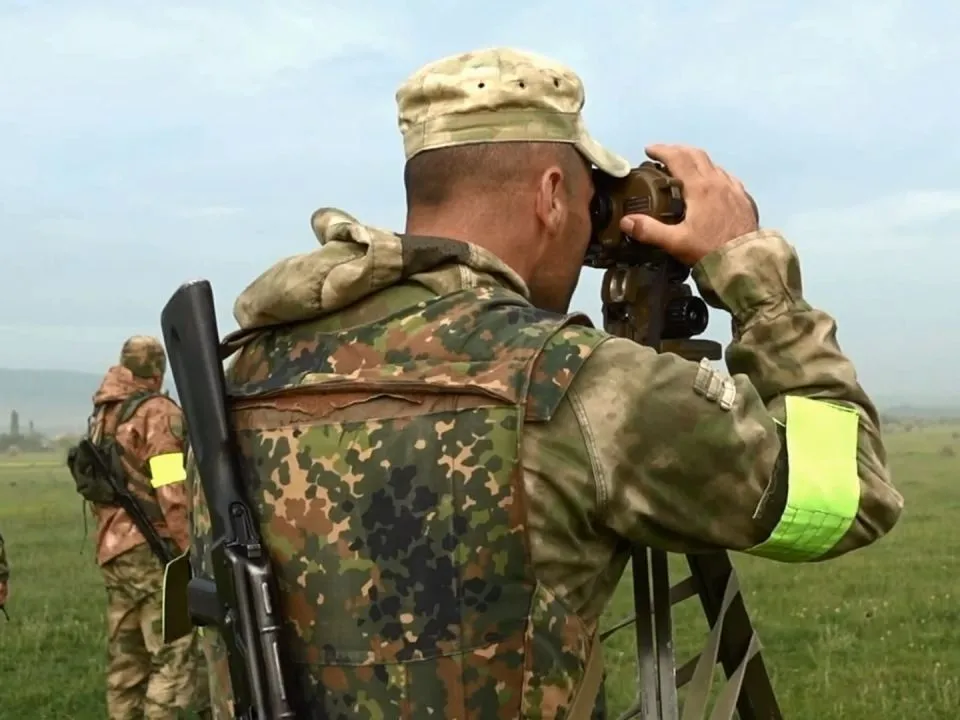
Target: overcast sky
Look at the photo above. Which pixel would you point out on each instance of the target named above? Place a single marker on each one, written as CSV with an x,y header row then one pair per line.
x,y
146,143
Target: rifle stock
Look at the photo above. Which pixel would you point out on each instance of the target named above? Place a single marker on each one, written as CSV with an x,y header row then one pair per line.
x,y
243,601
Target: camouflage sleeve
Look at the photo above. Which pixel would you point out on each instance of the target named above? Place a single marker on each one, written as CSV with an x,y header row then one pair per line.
x,y
163,453
4,565
687,459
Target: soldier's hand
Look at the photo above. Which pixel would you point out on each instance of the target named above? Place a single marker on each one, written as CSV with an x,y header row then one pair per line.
x,y
718,207
4,592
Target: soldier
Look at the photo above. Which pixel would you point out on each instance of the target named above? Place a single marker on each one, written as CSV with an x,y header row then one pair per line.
x,y
451,470
4,574
145,678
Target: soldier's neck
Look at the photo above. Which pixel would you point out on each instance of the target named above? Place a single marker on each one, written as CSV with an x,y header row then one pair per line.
x,y
491,230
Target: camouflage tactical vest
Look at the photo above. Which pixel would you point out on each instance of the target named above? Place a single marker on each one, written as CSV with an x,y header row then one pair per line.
x,y
384,460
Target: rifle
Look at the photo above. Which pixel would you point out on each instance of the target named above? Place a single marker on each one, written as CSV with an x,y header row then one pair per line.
x,y
108,469
243,601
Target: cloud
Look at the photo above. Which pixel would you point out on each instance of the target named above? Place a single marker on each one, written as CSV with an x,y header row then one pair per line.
x,y
817,64
147,143
206,212
895,212
889,233
219,48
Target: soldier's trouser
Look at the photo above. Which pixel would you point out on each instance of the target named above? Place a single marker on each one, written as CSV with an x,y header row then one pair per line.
x,y
145,678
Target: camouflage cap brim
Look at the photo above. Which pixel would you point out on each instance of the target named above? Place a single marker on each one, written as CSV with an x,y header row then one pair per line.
x,y
605,160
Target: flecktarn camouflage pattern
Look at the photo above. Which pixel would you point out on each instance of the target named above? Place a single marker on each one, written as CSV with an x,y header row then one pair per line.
x,y
144,356
410,592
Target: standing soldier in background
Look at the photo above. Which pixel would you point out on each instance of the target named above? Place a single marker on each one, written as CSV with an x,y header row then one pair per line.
x,y
145,678
4,574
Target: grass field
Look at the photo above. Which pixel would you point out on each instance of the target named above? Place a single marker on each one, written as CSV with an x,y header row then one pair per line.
x,y
870,636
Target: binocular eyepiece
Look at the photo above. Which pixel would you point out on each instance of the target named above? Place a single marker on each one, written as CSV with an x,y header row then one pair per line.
x,y
648,190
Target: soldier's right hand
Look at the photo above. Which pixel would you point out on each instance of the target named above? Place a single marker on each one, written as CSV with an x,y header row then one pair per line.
x,y
4,592
718,207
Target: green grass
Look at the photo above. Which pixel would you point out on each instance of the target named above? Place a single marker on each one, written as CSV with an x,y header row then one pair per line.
x,y
869,636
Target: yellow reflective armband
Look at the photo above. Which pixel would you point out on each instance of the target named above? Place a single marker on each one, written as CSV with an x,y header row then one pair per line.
x,y
166,469
823,487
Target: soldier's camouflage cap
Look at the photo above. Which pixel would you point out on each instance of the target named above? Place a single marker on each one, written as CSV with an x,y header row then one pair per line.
x,y
144,356
497,95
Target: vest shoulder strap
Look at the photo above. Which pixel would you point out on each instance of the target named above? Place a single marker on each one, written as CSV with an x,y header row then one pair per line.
x,y
571,343
131,404
585,701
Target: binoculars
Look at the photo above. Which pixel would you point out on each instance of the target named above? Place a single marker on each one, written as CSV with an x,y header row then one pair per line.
x,y
649,189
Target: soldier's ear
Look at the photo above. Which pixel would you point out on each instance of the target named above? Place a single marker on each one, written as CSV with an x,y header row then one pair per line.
x,y
552,206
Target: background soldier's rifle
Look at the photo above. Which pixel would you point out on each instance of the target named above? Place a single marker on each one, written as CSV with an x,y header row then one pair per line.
x,y
110,469
243,601
646,299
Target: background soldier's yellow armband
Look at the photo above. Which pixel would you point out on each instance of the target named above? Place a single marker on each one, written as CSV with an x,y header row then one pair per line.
x,y
166,469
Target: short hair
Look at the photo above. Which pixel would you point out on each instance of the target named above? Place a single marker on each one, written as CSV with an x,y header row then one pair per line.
x,y
433,177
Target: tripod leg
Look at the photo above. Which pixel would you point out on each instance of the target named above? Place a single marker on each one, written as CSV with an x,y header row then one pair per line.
x,y
600,707
712,573
663,623
648,673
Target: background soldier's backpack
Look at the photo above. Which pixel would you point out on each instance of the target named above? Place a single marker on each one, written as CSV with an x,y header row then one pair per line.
x,y
96,467
91,483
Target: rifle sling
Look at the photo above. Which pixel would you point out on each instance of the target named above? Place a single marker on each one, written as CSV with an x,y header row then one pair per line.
x,y
128,501
131,505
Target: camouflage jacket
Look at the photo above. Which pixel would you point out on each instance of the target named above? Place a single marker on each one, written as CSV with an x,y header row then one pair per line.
x,y
156,428
638,447
4,563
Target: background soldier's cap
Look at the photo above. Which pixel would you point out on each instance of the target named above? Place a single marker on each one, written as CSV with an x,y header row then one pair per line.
x,y
144,357
497,95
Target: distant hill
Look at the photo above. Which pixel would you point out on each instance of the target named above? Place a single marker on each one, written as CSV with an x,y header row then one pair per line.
x,y
921,411
58,401
55,400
